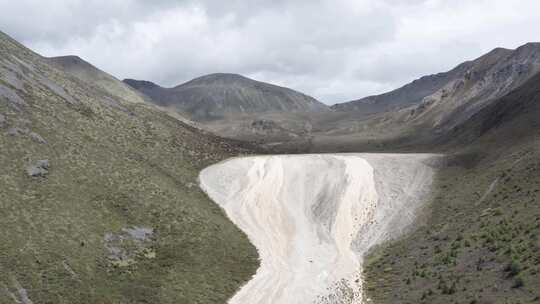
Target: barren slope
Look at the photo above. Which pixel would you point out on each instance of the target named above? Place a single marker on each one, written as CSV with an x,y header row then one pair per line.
x,y
313,217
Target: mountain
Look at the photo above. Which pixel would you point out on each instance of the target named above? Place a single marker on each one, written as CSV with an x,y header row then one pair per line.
x,y
88,73
513,116
469,88
478,242
217,95
415,114
453,96
409,94
489,78
99,200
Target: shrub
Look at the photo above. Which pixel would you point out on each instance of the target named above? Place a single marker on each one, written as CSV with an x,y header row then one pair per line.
x,y
518,282
513,268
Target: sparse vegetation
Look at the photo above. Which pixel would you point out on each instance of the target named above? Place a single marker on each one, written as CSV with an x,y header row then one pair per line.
x,y
470,252
70,235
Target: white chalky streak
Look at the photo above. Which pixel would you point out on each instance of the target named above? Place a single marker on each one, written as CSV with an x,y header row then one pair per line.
x,y
313,217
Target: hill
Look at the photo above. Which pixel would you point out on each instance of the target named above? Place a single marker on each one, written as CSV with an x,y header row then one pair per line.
x,y
79,68
98,196
462,90
214,96
478,241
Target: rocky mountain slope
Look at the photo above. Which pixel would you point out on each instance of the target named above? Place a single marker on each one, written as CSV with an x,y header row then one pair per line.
x,y
409,94
473,86
491,77
517,111
98,195
478,241
458,92
415,114
217,95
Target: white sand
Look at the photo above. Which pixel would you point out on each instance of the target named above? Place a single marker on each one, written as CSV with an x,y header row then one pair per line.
x,y
313,217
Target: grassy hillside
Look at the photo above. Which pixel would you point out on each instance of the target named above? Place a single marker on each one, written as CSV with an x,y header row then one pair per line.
x,y
99,200
478,241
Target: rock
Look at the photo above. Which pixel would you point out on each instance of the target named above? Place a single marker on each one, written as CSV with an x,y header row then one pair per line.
x,y
39,169
128,244
11,95
2,121
139,233
36,137
16,131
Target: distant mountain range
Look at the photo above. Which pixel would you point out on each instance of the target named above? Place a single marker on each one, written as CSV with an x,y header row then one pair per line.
x,y
425,110
234,106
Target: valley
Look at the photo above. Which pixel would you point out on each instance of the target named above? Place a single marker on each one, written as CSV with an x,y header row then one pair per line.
x,y
228,189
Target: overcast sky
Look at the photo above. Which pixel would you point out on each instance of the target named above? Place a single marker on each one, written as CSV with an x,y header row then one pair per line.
x,y
334,50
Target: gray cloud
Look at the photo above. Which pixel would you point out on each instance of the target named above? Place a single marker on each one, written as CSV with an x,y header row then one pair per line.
x,y
335,50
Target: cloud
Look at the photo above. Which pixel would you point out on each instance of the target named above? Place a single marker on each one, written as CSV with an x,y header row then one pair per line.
x,y
336,50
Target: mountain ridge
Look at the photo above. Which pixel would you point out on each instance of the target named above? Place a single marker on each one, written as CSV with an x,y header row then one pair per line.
x,y
85,71
414,92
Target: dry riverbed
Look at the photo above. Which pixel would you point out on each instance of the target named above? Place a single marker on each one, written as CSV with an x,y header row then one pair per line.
x,y
313,217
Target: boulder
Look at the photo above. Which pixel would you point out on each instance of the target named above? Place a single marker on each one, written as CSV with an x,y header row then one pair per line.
x,y
37,138
16,131
39,169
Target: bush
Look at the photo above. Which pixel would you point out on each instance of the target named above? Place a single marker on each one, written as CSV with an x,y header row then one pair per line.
x,y
513,268
518,282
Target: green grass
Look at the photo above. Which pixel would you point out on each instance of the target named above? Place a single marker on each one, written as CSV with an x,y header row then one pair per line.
x,y
468,250
110,169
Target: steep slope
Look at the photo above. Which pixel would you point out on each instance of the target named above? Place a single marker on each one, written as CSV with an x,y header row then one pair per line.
x,y
517,111
89,74
217,95
489,78
478,84
99,200
479,241
414,92
409,94
405,118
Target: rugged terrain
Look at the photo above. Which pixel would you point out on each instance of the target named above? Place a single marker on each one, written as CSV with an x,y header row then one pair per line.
x,y
410,94
472,86
99,200
478,240
414,114
99,196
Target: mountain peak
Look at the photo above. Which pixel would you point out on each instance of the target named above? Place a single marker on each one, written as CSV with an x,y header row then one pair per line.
x,y
219,79
140,84
217,95
70,61
529,48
